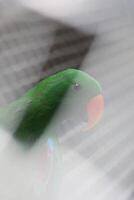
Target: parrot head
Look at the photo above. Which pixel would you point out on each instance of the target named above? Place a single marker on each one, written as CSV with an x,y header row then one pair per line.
x,y
83,99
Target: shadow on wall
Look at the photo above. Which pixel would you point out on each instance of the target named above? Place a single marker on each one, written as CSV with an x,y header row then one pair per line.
x,y
68,50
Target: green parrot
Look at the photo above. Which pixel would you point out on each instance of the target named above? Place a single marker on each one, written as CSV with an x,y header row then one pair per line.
x,y
38,116
71,90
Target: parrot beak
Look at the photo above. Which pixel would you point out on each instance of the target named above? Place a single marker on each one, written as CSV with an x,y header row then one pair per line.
x,y
95,110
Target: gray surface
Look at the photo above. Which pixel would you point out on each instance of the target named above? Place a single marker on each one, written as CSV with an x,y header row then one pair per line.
x,y
98,165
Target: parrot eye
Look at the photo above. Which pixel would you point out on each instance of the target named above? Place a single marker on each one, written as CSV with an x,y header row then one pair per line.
x,y
76,86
